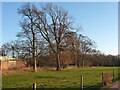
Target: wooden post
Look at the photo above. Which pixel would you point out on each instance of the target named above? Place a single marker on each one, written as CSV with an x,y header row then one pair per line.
x,y
34,86
113,75
81,83
102,78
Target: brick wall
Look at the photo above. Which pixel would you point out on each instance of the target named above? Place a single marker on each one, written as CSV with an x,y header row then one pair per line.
x,y
4,65
12,64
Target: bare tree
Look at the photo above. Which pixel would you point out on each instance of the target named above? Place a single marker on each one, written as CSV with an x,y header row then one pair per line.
x,y
28,28
53,23
86,47
4,49
8,48
72,45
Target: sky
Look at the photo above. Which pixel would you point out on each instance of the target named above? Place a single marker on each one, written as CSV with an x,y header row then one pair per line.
x,y
99,21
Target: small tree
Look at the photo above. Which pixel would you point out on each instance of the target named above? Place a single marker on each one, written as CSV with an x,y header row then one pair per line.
x,y
86,47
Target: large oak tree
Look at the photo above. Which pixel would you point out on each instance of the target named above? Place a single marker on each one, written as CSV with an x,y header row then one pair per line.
x,y
53,23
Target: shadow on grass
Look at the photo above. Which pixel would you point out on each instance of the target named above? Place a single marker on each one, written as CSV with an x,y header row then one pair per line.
x,y
94,87
98,86
60,77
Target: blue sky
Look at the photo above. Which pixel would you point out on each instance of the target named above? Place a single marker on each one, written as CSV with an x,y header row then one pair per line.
x,y
98,20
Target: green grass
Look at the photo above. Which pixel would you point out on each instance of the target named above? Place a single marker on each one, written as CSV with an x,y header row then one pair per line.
x,y
58,79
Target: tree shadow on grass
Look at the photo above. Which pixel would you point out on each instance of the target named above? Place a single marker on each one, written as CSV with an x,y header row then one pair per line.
x,y
57,77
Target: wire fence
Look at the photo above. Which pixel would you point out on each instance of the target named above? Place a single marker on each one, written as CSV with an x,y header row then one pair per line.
x,y
104,79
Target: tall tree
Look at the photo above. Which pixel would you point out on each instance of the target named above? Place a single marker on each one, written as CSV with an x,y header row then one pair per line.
x,y
53,23
28,28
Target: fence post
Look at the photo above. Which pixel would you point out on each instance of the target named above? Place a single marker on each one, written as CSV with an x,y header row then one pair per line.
x,y
34,86
81,82
113,75
102,78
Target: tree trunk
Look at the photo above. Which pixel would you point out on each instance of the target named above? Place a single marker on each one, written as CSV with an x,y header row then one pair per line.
x,y
18,55
58,59
78,63
34,54
83,64
34,59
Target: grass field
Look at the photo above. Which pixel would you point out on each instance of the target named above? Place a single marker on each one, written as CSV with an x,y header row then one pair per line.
x,y
58,79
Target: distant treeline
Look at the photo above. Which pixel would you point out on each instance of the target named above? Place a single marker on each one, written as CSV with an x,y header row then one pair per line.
x,y
68,57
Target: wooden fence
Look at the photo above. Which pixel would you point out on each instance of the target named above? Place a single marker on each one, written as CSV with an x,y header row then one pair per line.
x,y
107,78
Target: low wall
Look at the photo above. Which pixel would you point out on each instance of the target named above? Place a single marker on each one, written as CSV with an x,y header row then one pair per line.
x,y
12,64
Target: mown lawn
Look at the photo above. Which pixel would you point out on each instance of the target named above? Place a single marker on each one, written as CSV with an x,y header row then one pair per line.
x,y
58,79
